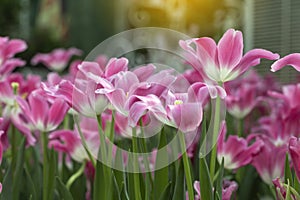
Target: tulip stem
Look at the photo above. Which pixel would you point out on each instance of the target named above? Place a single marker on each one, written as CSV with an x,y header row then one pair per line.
x,y
215,136
75,176
45,165
240,127
13,148
84,142
136,175
186,167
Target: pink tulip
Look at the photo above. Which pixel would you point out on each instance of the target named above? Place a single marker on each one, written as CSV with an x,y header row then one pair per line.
x,y
70,142
56,60
269,162
183,113
8,48
281,190
42,115
80,96
225,61
228,188
139,106
241,100
236,151
291,59
294,150
9,65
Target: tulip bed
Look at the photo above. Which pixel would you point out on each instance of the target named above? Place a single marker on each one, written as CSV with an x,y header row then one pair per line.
x,y
106,131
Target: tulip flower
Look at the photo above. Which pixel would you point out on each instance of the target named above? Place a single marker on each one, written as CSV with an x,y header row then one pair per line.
x,y
269,162
43,116
183,113
225,61
291,59
8,48
281,191
228,188
241,101
56,60
236,151
294,150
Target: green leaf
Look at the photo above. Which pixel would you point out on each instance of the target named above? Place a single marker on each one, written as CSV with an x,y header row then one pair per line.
x,y
35,170
99,188
116,192
179,191
287,170
30,185
123,192
17,177
288,191
64,193
219,182
296,184
206,188
7,185
166,192
51,174
161,176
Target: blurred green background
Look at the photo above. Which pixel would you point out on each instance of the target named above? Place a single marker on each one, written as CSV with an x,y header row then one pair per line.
x,y
47,24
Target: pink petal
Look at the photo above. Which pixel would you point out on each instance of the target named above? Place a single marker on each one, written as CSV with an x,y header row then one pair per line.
x,y
187,116
292,59
252,58
144,72
116,65
92,67
294,150
56,114
230,49
206,51
39,109
126,80
15,46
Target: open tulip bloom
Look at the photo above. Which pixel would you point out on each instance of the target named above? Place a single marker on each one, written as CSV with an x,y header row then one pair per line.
x,y
139,133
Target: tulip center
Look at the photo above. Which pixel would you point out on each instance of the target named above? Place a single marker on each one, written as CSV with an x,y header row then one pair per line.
x,y
178,102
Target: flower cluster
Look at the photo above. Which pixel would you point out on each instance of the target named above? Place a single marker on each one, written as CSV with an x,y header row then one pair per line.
x,y
115,106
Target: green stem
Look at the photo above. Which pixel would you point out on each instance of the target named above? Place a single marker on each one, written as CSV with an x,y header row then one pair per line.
x,y
102,138
136,175
146,163
75,176
45,165
13,148
84,142
240,127
186,167
215,136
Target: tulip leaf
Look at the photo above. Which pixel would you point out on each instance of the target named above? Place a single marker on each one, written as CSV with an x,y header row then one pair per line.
x,y
116,193
296,184
64,193
161,176
51,173
30,185
17,176
206,188
179,191
288,191
99,187
123,192
7,185
287,171
219,182
166,192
